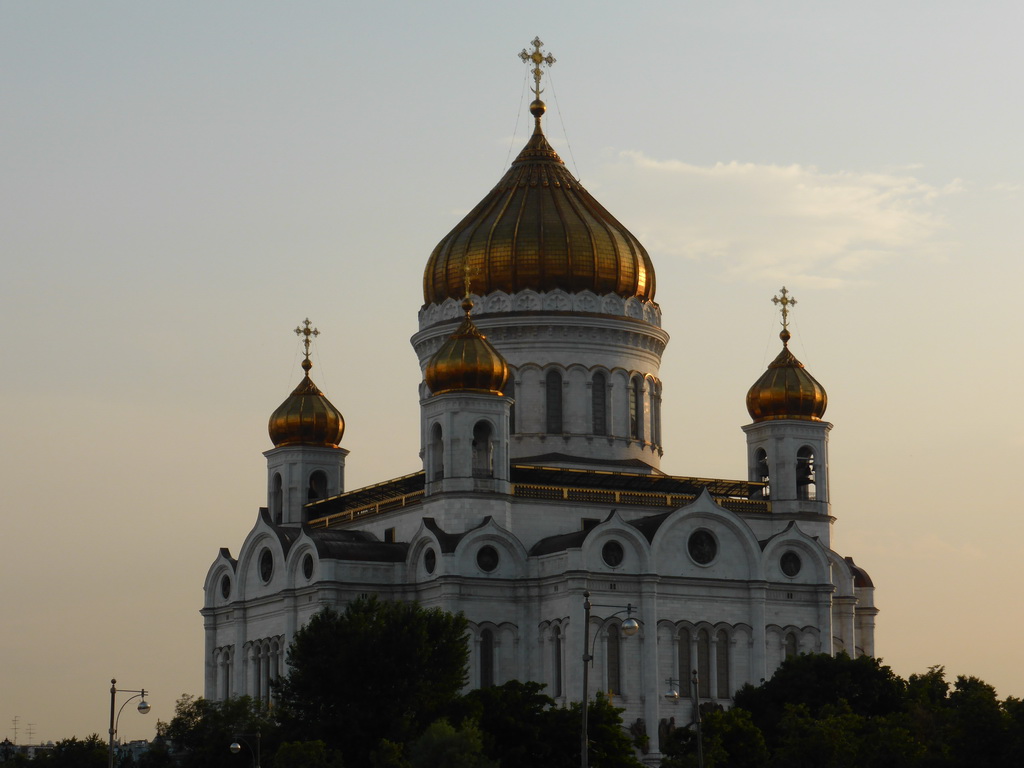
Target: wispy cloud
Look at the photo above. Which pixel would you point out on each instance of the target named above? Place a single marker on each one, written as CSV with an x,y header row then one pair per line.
x,y
770,221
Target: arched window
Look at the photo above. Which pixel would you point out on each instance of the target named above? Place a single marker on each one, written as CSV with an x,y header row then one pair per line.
x,y
636,408
599,404
553,385
655,413
761,472
685,663
436,457
791,645
614,660
486,658
556,662
704,664
805,479
317,486
722,663
483,450
510,393
276,498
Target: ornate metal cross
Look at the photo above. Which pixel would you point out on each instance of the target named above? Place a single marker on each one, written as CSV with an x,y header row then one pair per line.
x,y
305,330
785,302
537,58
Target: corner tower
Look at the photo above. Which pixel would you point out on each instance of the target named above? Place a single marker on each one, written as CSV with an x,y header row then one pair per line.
x,y
787,443
306,462
566,295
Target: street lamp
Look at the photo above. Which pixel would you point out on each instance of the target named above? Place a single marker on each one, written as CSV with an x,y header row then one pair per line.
x,y
143,709
673,695
629,628
236,747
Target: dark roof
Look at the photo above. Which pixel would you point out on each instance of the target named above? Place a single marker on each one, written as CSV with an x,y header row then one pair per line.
x,y
447,541
630,481
564,458
342,544
559,543
860,576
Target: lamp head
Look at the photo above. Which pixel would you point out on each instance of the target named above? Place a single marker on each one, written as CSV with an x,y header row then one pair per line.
x,y
144,707
672,694
630,627
235,747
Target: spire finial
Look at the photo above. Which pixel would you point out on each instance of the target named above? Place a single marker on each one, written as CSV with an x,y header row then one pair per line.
x,y
467,303
536,58
785,302
306,331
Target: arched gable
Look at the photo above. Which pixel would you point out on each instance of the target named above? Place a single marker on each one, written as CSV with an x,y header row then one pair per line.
x,y
732,552
598,550
472,558
793,557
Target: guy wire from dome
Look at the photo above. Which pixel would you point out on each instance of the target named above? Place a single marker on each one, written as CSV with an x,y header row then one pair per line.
x,y
539,229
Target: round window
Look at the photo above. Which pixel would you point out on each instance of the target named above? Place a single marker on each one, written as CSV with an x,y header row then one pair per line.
x,y
487,558
790,563
225,587
307,567
612,553
430,560
702,547
266,565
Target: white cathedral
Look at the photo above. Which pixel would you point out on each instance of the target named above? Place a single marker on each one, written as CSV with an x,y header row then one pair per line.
x,y
541,439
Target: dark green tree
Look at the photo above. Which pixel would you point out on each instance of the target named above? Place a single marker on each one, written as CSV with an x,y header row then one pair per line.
x,y
306,754
201,731
443,745
90,752
379,670
729,738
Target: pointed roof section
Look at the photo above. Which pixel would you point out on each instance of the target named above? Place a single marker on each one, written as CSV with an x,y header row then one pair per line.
x,y
539,230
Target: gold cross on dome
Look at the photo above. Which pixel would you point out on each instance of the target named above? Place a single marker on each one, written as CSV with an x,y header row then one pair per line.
x,y
536,58
785,302
305,330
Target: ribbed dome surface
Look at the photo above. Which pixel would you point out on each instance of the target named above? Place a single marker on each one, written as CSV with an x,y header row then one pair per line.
x,y
539,229
786,390
306,417
467,362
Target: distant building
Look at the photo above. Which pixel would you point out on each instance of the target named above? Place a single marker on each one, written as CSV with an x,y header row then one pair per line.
x,y
541,437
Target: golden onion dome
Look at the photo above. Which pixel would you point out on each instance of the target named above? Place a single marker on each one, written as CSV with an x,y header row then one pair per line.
x,y
307,417
467,362
786,390
538,229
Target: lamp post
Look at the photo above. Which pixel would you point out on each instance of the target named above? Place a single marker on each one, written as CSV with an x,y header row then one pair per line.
x,y
236,747
143,709
673,695
629,628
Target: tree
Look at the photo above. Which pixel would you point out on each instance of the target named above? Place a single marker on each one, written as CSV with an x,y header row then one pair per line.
x,y
444,746
90,752
379,670
306,754
729,738
201,731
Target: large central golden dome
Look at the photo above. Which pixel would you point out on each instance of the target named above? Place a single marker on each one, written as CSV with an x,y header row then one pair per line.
x,y
539,230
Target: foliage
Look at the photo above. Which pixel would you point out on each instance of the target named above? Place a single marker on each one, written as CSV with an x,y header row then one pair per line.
x,y
306,754
202,730
729,738
90,752
444,746
380,670
514,720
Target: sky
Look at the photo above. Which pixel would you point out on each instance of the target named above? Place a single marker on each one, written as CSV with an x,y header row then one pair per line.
x,y
182,183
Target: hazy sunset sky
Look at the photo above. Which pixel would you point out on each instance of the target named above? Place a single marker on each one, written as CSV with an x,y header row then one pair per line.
x,y
182,183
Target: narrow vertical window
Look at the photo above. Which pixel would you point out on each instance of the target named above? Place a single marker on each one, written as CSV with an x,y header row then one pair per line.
x,y
614,661
599,404
761,472
656,413
636,409
805,474
510,393
486,658
553,385
722,664
556,662
685,663
704,664
317,486
791,646
277,499
483,450
436,458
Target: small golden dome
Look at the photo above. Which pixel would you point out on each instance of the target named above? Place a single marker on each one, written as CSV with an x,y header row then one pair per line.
x,y
467,362
306,417
538,229
786,390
